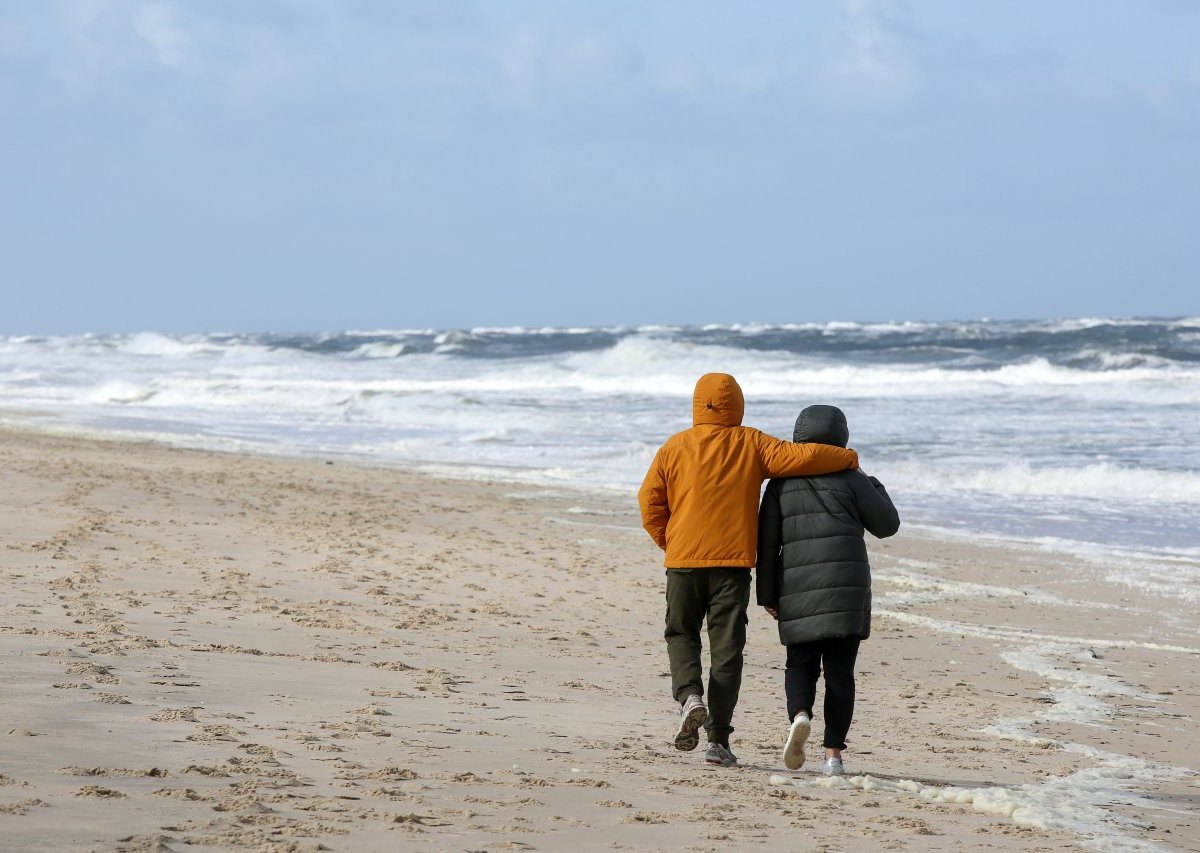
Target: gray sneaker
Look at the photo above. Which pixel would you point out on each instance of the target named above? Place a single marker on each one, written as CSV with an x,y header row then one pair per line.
x,y
832,767
720,755
691,718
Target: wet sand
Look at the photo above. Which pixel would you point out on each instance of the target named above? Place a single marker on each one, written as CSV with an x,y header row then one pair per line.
x,y
259,653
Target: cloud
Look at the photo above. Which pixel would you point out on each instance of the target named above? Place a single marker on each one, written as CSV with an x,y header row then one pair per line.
x,y
80,21
870,59
156,24
534,61
875,55
12,39
266,50
593,57
417,15
245,49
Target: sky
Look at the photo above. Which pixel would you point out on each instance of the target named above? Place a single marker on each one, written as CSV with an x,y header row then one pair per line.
x,y
319,165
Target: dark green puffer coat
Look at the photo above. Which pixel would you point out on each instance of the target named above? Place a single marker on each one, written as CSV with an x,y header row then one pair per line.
x,y
812,560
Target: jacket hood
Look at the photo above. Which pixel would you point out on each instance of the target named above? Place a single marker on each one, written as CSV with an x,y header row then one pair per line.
x,y
822,425
718,400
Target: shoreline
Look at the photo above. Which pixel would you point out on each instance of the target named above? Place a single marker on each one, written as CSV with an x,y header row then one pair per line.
x,y
466,472
366,656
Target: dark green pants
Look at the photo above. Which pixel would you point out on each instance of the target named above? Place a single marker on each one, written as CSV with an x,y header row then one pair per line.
x,y
721,596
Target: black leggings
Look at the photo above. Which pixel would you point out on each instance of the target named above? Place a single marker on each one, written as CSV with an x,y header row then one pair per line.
x,y
804,664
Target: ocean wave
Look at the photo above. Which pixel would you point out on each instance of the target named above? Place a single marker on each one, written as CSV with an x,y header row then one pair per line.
x,y
652,371
830,327
154,344
1118,368
520,331
1085,323
248,372
1094,482
656,366
454,341
118,391
1091,358
391,333
380,349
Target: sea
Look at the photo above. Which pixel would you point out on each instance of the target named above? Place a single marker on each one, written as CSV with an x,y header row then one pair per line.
x,y
1077,433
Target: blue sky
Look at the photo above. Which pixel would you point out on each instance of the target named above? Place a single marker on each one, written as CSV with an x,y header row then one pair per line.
x,y
301,165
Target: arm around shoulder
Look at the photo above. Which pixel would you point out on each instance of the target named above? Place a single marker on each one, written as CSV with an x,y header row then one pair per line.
x,y
786,459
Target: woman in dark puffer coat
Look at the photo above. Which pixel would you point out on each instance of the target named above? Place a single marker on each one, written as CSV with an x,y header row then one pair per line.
x,y
813,576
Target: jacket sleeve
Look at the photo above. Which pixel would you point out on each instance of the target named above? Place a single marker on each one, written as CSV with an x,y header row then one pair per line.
x,y
786,459
652,499
875,508
770,540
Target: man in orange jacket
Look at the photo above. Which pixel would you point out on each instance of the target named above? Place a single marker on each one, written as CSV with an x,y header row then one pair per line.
x,y
699,503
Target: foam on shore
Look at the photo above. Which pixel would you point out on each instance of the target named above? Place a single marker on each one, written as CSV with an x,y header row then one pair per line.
x,y
1077,694
1074,803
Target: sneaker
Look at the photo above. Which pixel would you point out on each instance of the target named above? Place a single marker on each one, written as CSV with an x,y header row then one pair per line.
x,y
832,767
793,750
691,718
720,755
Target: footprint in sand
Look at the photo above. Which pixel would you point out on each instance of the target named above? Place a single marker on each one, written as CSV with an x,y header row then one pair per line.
x,y
171,715
94,672
98,791
22,806
152,772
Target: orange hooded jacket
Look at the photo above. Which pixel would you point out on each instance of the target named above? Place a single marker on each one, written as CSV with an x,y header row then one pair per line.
x,y
699,500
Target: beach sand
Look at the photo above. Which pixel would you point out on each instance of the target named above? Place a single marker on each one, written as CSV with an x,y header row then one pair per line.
x,y
260,653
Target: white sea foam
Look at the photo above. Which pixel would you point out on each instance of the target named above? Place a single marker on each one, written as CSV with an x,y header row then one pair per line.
x,y
624,528
651,365
380,350
1172,573
1040,659
390,333
453,338
1079,686
520,331
1122,360
1171,582
907,587
584,510
1103,479
118,391
947,626
1078,803
149,343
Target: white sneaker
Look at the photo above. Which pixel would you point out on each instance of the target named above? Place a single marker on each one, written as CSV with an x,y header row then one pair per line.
x,y
832,767
691,718
793,750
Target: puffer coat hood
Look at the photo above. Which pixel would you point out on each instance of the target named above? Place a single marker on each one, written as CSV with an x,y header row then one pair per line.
x,y
823,425
718,400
